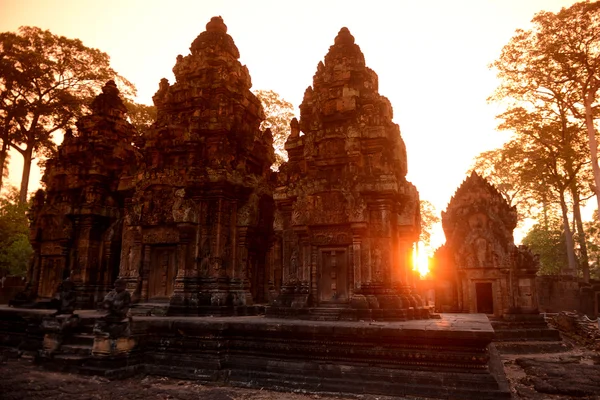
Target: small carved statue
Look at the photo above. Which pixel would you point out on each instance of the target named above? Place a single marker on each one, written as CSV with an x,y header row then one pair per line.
x,y
116,322
23,297
64,301
117,301
61,323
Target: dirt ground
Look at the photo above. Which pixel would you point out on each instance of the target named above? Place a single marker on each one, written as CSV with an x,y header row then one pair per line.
x,y
574,374
22,380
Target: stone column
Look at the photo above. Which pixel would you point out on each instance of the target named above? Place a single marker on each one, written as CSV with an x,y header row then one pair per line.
x,y
145,272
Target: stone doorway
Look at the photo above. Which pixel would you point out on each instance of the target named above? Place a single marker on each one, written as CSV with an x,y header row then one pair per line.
x,y
333,281
163,270
485,298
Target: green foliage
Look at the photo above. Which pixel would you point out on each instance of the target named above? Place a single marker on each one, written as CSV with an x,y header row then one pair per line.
x,y
429,217
278,114
15,249
46,83
548,240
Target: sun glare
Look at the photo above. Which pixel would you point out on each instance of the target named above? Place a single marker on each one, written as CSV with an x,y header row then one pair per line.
x,y
420,259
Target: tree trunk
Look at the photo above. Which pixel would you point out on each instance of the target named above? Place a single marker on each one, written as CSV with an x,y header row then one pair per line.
x,y
27,159
591,131
572,267
583,260
3,159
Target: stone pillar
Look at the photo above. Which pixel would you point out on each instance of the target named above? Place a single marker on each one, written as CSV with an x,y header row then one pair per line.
x,y
145,271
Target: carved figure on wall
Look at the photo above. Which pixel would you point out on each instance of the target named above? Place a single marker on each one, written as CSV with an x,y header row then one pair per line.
x,y
294,265
481,248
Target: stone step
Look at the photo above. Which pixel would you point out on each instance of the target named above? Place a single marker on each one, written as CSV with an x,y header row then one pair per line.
x,y
81,339
324,314
532,347
76,349
545,334
147,309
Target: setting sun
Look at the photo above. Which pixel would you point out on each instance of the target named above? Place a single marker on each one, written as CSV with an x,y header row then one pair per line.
x,y
420,259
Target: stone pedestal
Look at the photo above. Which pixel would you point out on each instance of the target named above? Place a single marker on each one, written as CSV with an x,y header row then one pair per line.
x,y
107,347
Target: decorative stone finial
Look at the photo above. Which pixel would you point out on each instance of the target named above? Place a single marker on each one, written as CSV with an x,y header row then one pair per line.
x,y
344,37
108,100
216,24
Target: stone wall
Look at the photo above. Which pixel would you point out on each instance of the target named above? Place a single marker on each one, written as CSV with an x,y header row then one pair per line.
x,y
567,293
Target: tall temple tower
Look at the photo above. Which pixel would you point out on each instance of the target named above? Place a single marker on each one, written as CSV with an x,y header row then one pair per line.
x,y
198,225
346,217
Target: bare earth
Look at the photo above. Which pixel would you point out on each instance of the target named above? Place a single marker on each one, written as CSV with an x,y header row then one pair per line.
x,y
570,375
20,380
574,374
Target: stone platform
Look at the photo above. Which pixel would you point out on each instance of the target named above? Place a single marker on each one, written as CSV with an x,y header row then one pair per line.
x,y
449,357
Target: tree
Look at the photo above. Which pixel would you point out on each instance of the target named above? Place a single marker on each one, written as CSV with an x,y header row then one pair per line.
x,y
548,241
551,153
592,233
47,82
140,115
557,61
278,113
429,217
15,249
496,167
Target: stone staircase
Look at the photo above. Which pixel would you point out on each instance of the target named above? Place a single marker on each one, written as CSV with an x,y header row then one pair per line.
x,y
75,349
526,333
324,314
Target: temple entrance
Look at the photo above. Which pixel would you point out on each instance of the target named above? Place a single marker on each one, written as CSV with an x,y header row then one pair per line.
x,y
485,298
52,275
333,280
163,270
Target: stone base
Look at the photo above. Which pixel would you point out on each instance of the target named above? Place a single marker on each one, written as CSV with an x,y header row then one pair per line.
x,y
104,346
449,357
51,344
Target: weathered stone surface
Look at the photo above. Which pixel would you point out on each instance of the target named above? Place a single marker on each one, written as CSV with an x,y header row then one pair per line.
x,y
346,217
480,269
76,224
197,226
446,357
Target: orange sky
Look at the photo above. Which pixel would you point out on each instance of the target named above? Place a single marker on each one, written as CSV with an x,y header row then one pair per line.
x,y
431,56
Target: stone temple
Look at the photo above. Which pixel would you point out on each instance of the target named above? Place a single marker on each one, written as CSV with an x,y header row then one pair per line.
x,y
483,270
199,214
346,218
299,279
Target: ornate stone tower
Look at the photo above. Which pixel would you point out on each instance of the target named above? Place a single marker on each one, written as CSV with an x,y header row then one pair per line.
x,y
199,223
489,273
77,223
346,217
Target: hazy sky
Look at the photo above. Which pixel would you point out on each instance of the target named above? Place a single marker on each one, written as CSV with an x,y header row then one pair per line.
x,y
431,56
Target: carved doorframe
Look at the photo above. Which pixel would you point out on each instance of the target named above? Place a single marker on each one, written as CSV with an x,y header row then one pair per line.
x,y
343,277
495,294
159,276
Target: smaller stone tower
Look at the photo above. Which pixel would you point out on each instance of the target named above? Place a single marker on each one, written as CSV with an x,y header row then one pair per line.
x,y
77,223
485,271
